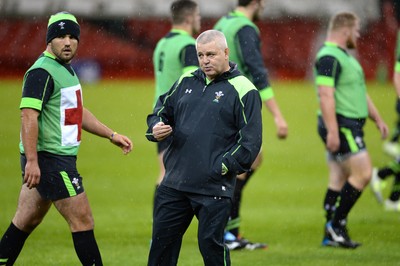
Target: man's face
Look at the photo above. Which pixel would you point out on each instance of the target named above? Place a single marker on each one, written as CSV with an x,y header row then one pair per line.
x,y
260,10
354,35
64,47
196,23
213,60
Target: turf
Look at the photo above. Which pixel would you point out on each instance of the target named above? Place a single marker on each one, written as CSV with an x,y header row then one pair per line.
x,y
282,204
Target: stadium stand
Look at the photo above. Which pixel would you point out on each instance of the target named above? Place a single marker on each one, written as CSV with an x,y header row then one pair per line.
x,y
123,46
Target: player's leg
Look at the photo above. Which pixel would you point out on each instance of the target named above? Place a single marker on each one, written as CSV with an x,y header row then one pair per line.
x,y
232,235
360,169
337,178
171,217
379,176
78,214
161,148
396,134
391,147
30,212
162,168
393,202
212,213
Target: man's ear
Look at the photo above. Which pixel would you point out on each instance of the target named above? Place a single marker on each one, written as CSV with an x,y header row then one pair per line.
x,y
226,52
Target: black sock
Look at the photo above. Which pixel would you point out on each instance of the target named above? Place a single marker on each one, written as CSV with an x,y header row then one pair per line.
x,y
86,248
396,134
330,200
11,245
385,172
234,222
348,197
395,193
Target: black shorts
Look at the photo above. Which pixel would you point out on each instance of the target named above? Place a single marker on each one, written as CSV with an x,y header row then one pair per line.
x,y
350,133
163,145
59,177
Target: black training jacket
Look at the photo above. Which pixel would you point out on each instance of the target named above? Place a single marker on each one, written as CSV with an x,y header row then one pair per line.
x,y
213,124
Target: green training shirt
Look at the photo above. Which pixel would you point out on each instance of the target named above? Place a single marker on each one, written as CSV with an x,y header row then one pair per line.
x,y
170,60
60,119
230,25
243,39
350,88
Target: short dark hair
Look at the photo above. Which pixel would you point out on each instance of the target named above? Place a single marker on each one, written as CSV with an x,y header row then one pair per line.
x,y
180,9
244,2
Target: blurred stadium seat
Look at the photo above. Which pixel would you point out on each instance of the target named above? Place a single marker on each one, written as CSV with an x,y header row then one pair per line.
x,y
121,35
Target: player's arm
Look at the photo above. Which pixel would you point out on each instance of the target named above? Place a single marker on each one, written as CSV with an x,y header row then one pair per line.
x,y
37,88
29,136
280,122
92,125
328,70
250,50
374,115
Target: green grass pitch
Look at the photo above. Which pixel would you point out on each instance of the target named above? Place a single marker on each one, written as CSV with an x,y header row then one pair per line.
x,y
282,204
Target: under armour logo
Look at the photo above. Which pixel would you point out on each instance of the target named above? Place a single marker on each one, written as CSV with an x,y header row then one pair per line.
x,y
188,91
61,24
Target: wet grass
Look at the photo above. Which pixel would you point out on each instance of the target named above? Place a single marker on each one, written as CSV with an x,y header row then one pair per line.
x,y
282,204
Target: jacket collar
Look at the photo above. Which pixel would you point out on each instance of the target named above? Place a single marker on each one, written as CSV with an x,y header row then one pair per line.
x,y
231,73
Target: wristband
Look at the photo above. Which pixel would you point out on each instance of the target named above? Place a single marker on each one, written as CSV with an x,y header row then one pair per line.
x,y
112,135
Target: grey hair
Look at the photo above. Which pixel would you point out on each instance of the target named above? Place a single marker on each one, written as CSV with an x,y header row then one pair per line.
x,y
212,35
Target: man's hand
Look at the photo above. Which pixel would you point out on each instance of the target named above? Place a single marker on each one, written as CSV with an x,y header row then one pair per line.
x,y
383,128
161,131
32,174
282,127
332,142
123,142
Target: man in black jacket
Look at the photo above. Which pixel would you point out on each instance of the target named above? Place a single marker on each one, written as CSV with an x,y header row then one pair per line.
x,y
214,117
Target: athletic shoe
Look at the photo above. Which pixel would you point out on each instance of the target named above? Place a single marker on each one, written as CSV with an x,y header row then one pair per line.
x,y
340,236
255,245
377,185
236,244
392,205
328,242
391,148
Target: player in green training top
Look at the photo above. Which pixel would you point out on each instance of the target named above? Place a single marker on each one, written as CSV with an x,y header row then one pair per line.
x,y
52,118
174,55
243,37
344,107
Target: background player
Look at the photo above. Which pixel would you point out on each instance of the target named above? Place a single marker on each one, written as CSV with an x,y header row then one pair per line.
x,y
174,55
243,37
